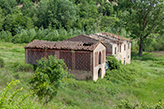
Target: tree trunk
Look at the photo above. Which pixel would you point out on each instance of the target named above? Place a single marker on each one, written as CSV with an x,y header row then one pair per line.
x,y
140,49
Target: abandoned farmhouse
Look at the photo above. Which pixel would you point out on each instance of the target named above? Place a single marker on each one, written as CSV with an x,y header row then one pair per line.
x,y
84,55
118,46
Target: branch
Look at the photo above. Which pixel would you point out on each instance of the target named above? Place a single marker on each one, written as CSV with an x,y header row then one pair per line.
x,y
154,25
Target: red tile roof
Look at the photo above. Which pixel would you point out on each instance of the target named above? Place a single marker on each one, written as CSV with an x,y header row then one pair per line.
x,y
40,44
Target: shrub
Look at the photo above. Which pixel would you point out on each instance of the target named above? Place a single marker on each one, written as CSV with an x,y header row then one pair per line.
x,y
118,73
113,63
6,36
17,67
48,78
2,64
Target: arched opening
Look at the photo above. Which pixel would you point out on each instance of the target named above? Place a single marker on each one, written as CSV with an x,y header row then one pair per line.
x,y
99,57
99,72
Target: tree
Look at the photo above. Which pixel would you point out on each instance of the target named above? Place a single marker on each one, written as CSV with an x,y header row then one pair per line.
x,y
48,78
1,19
28,9
9,23
9,6
144,17
13,21
56,12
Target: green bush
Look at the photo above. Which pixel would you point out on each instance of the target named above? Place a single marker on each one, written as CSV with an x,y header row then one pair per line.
x,y
118,73
48,78
5,36
18,67
2,64
113,63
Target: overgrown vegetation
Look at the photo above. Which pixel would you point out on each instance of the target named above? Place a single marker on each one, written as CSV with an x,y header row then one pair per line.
x,y
118,73
2,63
135,86
48,78
18,67
8,101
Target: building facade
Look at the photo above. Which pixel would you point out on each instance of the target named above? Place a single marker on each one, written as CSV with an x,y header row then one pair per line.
x,y
86,60
118,46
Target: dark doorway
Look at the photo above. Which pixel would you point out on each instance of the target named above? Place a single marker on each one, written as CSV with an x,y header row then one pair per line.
x,y
99,72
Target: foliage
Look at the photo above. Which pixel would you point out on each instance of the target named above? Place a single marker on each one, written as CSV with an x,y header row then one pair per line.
x,y
55,12
113,62
124,104
2,63
8,6
48,78
26,36
146,88
118,73
28,9
7,99
5,36
143,18
18,67
1,19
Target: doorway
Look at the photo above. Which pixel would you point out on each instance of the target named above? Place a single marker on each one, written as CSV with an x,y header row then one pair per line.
x,y
99,73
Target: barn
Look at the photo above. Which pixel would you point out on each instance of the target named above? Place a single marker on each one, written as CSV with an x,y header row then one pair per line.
x,y
86,60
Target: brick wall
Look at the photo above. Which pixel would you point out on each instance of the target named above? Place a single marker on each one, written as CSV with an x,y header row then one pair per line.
x,y
67,56
103,56
35,54
82,61
96,59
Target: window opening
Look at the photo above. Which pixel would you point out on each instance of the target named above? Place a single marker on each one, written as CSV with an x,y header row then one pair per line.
x,y
115,50
99,57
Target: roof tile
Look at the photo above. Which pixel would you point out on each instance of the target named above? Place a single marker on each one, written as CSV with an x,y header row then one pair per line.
x,y
40,44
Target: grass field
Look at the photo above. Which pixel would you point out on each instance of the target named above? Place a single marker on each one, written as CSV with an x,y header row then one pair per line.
x,y
146,87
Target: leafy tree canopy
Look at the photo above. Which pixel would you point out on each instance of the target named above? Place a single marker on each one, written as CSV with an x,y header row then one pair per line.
x,y
56,12
143,18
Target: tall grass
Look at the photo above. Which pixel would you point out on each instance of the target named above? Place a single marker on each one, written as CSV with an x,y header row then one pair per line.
x,y
139,84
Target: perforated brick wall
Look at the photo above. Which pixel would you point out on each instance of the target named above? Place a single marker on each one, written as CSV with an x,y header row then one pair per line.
x,y
34,55
82,61
67,56
50,52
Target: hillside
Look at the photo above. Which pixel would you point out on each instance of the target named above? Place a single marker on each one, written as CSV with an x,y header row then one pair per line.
x,y
141,83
